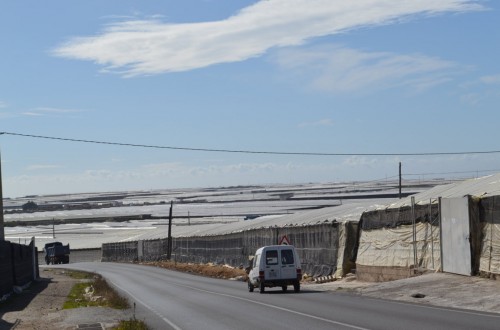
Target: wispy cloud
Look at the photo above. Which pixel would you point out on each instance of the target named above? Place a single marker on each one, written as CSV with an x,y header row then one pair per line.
x,y
341,69
39,167
4,114
490,80
319,123
144,47
47,111
480,90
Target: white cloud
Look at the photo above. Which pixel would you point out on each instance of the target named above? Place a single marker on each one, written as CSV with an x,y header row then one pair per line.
x,y
47,111
180,175
494,79
321,122
42,167
143,47
5,115
360,161
340,69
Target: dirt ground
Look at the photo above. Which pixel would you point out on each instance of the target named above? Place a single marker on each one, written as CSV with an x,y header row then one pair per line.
x,y
39,307
436,289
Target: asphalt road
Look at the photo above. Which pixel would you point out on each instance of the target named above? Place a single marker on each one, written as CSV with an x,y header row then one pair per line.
x,y
172,300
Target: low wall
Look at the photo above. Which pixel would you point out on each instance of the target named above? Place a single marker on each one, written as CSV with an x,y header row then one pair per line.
x,y
6,269
16,266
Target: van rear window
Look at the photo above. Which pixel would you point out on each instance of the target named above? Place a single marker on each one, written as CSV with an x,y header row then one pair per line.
x,y
272,257
287,257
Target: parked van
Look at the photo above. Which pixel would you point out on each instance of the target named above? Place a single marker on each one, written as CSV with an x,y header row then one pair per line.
x,y
275,265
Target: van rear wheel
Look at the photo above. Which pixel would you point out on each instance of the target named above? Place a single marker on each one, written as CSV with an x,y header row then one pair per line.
x,y
284,288
250,286
296,287
262,288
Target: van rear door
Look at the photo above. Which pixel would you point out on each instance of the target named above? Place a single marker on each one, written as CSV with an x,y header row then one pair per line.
x,y
273,267
288,269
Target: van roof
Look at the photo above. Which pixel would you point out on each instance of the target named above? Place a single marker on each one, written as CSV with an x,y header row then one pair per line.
x,y
279,247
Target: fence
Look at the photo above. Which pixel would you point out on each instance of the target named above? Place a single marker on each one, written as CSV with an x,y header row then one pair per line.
x,y
16,266
317,245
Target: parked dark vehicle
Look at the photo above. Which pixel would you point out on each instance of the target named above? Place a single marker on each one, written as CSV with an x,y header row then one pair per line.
x,y
56,253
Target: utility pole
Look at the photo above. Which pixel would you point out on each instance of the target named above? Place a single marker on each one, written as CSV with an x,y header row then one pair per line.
x,y
169,239
2,231
399,180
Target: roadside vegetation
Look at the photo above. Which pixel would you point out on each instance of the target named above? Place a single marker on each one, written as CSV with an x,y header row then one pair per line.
x,y
94,291
210,270
131,324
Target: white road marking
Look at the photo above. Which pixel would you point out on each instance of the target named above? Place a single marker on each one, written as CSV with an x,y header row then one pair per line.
x,y
173,325
277,307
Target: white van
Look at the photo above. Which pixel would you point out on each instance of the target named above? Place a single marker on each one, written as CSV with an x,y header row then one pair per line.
x,y
275,265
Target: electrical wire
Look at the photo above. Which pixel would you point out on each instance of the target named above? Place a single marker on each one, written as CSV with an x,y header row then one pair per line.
x,y
251,151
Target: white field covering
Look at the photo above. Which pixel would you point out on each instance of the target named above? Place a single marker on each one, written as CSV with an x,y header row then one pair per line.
x,y
211,212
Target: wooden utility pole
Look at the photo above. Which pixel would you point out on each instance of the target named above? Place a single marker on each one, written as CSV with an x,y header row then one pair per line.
x,y
399,180
169,239
2,231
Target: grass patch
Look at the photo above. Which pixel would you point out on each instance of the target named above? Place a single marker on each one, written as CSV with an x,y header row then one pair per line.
x,y
131,324
94,293
79,275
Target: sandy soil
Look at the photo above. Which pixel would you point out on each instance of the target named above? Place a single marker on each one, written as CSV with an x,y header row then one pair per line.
x,y
437,289
39,307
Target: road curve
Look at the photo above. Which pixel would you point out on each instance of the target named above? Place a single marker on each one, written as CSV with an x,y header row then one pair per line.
x,y
167,299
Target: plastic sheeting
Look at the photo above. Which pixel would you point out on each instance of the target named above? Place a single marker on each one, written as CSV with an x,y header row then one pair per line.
x,y
319,247
490,253
393,247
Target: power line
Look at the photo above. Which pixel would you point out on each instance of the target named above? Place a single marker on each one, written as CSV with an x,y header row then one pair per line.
x,y
251,151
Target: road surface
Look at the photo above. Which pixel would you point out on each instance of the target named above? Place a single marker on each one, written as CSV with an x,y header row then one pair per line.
x,y
167,299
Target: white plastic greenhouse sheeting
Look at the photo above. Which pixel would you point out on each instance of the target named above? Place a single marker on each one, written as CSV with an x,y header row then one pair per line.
x,y
93,235
349,211
490,254
393,247
480,187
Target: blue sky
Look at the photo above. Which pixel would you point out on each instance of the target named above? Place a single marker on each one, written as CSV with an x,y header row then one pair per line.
x,y
305,76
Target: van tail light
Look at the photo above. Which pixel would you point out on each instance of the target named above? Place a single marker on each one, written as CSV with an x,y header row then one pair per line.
x,y
261,275
299,273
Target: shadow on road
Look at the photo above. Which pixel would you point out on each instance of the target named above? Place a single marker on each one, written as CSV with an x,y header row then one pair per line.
x,y
19,301
279,291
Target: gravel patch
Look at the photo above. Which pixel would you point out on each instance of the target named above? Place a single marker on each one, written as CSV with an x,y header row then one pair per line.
x,y
40,307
